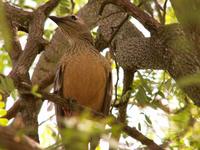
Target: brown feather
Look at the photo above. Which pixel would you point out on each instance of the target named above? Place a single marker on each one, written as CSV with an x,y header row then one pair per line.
x,y
108,95
83,73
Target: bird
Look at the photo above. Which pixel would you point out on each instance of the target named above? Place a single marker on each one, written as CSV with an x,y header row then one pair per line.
x,y
83,73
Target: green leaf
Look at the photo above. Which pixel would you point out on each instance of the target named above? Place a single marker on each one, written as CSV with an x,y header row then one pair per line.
x,y
141,95
168,84
3,112
6,84
63,8
139,126
136,2
10,84
2,105
170,16
48,33
14,94
5,61
161,94
34,91
144,83
98,147
40,1
3,122
126,96
4,30
3,83
148,119
21,3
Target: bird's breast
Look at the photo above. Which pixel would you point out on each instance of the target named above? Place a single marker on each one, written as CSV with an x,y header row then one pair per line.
x,y
85,79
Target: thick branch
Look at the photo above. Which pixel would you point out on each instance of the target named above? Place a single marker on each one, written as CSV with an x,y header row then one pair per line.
x,y
48,7
19,17
16,49
33,44
137,52
150,23
188,19
127,84
167,49
11,140
12,112
43,74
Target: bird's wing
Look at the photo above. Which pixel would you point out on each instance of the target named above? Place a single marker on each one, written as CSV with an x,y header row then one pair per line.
x,y
108,95
58,86
58,80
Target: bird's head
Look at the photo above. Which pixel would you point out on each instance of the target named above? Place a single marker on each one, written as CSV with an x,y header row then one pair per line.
x,y
73,27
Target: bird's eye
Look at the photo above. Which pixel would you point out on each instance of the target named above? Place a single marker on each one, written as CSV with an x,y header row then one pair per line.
x,y
73,17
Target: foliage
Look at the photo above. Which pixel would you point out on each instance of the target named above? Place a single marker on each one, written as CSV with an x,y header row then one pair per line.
x,y
3,121
4,31
152,90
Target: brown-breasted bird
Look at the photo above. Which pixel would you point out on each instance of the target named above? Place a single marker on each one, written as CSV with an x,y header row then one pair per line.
x,y
83,73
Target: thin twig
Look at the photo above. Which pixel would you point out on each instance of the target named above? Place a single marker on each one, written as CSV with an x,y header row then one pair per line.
x,y
158,8
118,28
142,3
116,85
114,13
164,12
73,6
117,67
47,120
16,49
127,82
19,17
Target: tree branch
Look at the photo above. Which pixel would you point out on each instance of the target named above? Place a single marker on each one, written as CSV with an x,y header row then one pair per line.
x,y
48,7
12,112
74,106
127,83
140,137
19,17
151,24
189,20
164,12
158,9
16,49
11,140
118,28
33,44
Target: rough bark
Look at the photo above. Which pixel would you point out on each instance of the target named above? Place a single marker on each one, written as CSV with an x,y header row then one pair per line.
x,y
22,60
19,17
149,22
168,48
11,140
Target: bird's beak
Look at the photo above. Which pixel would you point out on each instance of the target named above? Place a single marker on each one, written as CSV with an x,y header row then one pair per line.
x,y
56,19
